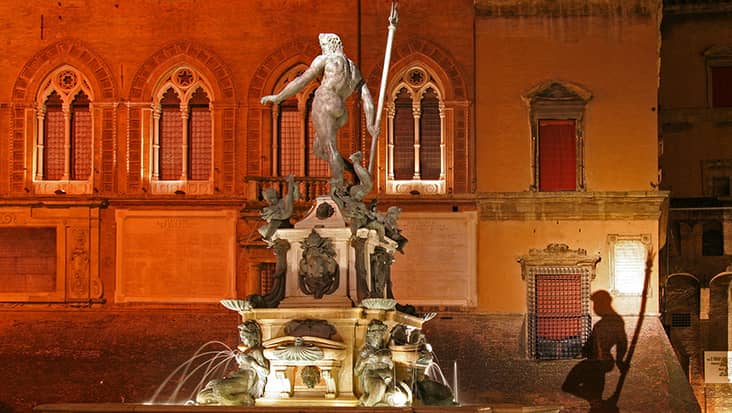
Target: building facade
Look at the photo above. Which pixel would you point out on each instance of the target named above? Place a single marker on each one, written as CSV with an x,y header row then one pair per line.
x,y
694,123
520,141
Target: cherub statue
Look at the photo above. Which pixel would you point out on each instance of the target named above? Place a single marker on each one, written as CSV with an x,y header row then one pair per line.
x,y
246,383
278,212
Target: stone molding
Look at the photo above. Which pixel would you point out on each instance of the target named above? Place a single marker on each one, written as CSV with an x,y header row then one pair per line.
x,y
70,51
566,8
202,57
504,206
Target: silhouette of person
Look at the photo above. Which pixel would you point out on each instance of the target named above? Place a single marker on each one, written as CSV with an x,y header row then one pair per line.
x,y
587,379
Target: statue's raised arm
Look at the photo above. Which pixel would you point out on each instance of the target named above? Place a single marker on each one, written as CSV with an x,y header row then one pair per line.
x,y
297,84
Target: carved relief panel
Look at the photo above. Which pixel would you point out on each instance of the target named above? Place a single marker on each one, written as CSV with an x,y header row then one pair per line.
x,y
50,254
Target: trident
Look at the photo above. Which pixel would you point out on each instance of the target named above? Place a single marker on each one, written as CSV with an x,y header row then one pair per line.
x,y
393,20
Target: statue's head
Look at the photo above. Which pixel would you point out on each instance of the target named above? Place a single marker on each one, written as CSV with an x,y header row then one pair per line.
x,y
375,333
330,43
250,334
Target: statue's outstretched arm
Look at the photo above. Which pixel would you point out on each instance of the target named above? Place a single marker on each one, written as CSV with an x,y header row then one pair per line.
x,y
298,83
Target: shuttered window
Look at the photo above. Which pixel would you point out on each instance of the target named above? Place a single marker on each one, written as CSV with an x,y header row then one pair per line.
x,y
557,155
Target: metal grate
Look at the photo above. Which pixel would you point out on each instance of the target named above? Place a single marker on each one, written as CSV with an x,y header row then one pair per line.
x,y
290,144
171,137
430,130
53,152
403,136
200,147
81,143
559,319
266,271
680,320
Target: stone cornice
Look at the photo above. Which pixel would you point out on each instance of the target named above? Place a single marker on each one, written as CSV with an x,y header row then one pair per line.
x,y
696,7
521,206
565,8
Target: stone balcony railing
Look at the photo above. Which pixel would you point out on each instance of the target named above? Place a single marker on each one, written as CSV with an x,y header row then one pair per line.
x,y
310,187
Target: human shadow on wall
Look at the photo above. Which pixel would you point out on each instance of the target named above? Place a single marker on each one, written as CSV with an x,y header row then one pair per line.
x,y
587,379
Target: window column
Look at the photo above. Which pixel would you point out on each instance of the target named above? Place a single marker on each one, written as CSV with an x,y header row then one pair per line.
x,y
416,113
40,139
184,141
157,111
66,107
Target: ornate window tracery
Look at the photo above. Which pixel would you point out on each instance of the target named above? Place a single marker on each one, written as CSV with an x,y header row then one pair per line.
x,y
416,148
182,145
63,144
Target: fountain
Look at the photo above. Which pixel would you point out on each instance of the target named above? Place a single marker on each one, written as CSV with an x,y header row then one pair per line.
x,y
330,333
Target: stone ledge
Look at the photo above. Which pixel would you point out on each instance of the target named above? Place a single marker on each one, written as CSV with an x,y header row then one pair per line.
x,y
572,205
128,407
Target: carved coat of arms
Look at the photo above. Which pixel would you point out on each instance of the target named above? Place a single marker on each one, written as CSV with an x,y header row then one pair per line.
x,y
318,269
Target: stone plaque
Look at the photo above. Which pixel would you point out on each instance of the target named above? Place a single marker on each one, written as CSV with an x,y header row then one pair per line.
x,y
175,256
628,263
439,264
716,366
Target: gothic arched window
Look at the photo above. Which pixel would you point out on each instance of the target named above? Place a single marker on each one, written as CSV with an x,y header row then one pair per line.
x,y
182,147
416,138
63,147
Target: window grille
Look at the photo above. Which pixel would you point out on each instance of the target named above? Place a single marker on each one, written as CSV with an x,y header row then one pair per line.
x,y
54,147
403,136
290,146
430,153
559,317
266,272
679,320
199,151
171,137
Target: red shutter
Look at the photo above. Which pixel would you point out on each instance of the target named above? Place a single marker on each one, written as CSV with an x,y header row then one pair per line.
x,y
721,86
557,155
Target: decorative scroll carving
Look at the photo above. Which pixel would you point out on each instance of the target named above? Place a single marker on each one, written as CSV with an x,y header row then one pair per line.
x,y
558,255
